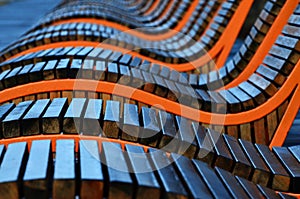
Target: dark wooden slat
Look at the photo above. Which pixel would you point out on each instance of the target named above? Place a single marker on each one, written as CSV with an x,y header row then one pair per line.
x,y
92,116
37,173
61,70
11,124
211,179
51,120
234,188
261,173
170,139
147,186
170,181
242,166
286,196
71,121
130,128
268,193
87,69
112,72
250,188
150,133
120,184
111,119
149,83
91,176
291,165
75,68
188,144
100,70
10,80
31,123
295,150
22,77
125,76
12,169
4,111
48,71
64,179
206,151
223,157
192,180
280,178
36,73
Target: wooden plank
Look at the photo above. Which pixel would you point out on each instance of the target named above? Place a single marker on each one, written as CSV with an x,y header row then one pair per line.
x,y
111,119
280,179
31,122
36,73
91,118
291,164
38,170
211,179
5,109
91,176
146,184
10,79
61,70
161,88
261,173
205,152
150,133
87,69
52,119
170,138
190,177
234,188
250,188
23,77
12,122
224,159
170,181
188,145
120,184
131,124
64,179
112,72
149,84
125,76
254,92
244,98
268,193
242,166
295,150
71,120
12,170
48,71
100,69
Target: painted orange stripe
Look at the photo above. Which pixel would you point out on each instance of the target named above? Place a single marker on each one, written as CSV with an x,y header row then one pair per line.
x,y
153,6
77,138
287,120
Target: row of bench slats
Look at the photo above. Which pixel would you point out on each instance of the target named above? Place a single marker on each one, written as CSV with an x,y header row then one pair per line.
x,y
162,130
114,173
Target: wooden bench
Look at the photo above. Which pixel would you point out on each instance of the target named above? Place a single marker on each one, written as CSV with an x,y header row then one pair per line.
x,y
108,174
